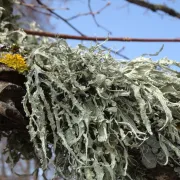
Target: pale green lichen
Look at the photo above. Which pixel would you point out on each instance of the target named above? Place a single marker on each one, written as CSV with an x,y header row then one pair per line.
x,y
94,111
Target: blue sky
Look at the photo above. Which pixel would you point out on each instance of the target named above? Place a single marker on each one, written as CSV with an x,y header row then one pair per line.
x,y
130,21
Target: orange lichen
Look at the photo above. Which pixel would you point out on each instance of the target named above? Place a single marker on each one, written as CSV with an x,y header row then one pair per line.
x,y
15,61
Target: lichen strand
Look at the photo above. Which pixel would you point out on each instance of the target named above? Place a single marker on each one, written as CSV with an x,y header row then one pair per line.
x,y
15,61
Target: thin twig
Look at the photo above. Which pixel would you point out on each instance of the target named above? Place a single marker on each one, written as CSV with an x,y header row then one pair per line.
x,y
60,17
156,7
115,52
68,23
122,49
41,12
94,17
89,13
40,6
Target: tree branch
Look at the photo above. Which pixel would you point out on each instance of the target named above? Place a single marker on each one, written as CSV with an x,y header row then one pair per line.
x,y
91,38
156,7
89,13
34,6
60,17
94,17
74,28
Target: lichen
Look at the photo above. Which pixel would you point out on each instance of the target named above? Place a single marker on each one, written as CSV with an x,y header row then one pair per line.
x,y
95,112
15,61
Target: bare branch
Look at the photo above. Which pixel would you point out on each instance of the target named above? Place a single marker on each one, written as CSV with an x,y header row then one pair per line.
x,y
41,12
89,13
156,7
34,6
94,17
122,49
91,38
60,17
68,23
115,52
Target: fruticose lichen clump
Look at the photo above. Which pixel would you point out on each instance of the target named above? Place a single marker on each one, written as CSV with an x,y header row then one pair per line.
x,y
96,116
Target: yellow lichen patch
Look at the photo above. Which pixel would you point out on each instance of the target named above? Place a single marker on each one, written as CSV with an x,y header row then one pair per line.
x,y
15,61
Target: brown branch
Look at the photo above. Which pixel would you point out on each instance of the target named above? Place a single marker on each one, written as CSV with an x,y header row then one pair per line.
x,y
91,38
73,27
156,7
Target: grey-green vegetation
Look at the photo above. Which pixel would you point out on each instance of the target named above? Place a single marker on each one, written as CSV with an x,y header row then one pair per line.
x,y
91,116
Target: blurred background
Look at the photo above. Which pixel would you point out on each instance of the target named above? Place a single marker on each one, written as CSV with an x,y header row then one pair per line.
x,y
145,19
